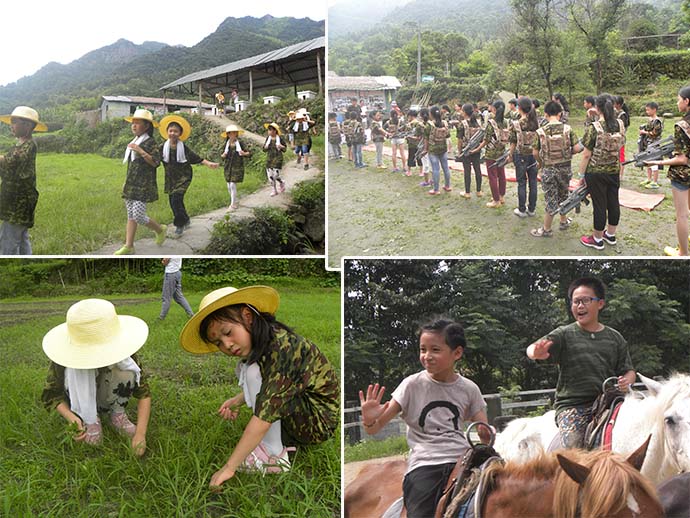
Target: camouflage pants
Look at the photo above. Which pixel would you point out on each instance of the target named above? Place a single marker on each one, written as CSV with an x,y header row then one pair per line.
x,y
114,388
555,181
572,423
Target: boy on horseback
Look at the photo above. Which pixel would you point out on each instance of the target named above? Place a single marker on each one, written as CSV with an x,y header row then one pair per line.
x,y
587,352
434,403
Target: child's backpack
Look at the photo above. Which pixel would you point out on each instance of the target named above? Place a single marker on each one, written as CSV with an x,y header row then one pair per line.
x,y
470,131
438,136
349,131
607,149
555,149
358,137
334,132
501,136
525,139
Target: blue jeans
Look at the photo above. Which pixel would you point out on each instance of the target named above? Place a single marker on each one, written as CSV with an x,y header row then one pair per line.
x,y
526,172
357,154
14,239
438,162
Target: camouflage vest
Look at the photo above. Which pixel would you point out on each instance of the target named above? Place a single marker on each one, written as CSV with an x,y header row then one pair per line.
x,y
334,132
683,124
607,149
525,139
501,136
469,130
438,135
555,149
349,128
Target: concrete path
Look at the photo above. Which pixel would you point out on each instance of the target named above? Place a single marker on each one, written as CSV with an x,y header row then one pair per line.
x,y
197,237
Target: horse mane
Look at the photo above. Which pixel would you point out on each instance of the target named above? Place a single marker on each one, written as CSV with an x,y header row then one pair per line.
x,y
605,492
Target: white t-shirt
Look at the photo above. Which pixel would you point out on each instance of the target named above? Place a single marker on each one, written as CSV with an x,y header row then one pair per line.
x,y
434,413
173,265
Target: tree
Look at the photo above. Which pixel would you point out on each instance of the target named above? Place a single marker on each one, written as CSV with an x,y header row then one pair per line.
x,y
539,32
596,20
639,29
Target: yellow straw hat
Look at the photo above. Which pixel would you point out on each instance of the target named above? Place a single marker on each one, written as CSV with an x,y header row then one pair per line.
x,y
274,126
94,336
144,115
24,112
168,119
262,298
232,127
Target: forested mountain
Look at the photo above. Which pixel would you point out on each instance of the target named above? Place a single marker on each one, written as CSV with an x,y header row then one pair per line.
x,y
124,68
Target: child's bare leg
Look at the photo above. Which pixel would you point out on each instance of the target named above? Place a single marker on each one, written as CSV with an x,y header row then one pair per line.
x,y
130,233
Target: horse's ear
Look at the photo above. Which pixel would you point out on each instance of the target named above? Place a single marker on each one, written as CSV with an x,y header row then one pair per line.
x,y
636,458
574,470
653,386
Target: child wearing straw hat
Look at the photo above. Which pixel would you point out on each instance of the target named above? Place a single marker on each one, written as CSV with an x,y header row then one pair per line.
x,y
18,194
286,380
142,159
274,147
177,160
234,154
301,128
94,369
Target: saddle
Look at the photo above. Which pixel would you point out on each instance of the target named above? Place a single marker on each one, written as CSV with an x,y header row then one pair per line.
x,y
604,413
464,484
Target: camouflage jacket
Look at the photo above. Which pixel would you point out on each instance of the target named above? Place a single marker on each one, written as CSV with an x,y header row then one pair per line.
x,y
681,140
274,156
178,176
299,387
334,132
141,182
378,134
233,169
589,140
302,134
655,127
494,147
54,391
18,194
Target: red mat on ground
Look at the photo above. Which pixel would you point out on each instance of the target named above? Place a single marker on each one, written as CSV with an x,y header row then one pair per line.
x,y
626,197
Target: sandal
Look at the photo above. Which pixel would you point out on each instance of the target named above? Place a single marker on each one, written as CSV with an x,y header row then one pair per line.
x,y
122,424
541,232
565,225
263,462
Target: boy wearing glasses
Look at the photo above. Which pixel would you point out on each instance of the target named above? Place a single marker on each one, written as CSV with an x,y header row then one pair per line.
x,y
587,352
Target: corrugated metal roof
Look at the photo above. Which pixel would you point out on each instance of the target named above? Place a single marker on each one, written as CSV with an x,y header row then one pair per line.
x,y
274,55
153,100
362,82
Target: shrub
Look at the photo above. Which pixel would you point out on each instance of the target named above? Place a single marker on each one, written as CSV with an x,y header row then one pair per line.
x,y
310,194
269,232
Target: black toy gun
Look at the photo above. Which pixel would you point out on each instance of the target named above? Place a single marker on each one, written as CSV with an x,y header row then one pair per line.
x,y
655,151
642,140
472,143
502,160
573,201
420,152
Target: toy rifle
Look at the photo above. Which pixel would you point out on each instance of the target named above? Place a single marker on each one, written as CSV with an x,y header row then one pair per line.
x,y
655,151
472,143
573,201
642,140
420,152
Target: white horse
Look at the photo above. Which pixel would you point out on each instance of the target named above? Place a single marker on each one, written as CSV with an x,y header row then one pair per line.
x,y
664,413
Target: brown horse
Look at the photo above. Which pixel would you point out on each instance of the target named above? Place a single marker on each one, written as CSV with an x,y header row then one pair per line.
x,y
573,483
376,487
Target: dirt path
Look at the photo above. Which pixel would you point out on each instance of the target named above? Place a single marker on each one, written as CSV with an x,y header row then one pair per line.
x,y
197,237
352,469
374,212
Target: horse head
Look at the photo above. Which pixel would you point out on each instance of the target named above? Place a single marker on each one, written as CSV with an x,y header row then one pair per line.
x,y
674,407
606,485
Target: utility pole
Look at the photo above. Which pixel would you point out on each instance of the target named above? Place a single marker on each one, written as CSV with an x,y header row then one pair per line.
x,y
419,54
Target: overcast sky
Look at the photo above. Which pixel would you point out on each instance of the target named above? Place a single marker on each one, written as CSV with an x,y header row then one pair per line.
x,y
36,32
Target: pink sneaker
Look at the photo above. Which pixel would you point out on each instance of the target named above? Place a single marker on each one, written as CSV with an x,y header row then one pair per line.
x,y
122,424
274,193
263,462
94,433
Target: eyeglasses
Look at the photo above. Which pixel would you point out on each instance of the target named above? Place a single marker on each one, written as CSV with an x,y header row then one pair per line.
x,y
585,301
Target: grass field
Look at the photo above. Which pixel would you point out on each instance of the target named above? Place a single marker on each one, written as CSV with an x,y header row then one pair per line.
x,y
80,206
43,474
373,212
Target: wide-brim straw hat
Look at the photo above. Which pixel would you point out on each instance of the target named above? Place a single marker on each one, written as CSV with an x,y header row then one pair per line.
x,y
24,112
184,124
274,126
231,128
262,298
94,336
144,115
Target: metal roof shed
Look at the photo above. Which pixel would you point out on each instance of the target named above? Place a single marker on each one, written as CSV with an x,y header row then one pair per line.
x,y
298,64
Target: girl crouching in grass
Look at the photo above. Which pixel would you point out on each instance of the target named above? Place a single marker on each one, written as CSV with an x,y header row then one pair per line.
x,y
286,380
94,369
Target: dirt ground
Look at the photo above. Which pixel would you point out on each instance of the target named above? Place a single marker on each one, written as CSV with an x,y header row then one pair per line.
x,y
374,212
